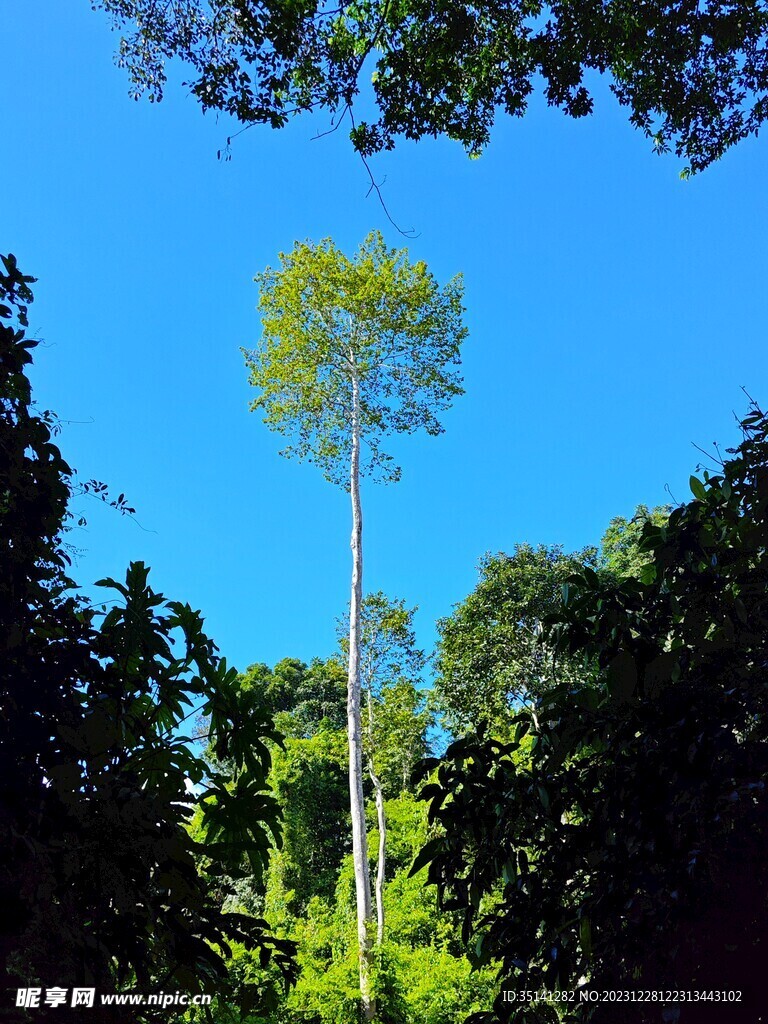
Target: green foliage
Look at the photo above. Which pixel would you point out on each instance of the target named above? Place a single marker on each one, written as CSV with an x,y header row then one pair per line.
x,y
396,718
388,649
302,698
620,551
422,974
376,322
692,76
310,781
443,988
489,653
328,989
630,846
98,878
36,480
402,719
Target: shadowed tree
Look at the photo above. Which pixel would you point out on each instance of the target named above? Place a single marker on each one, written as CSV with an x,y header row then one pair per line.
x,y
354,350
102,883
622,832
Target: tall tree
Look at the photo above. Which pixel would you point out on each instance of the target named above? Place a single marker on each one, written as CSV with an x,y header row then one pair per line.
x,y
354,350
693,76
490,656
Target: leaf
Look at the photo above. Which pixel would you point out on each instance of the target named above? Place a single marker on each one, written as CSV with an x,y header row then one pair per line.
x,y
697,488
648,573
622,677
427,854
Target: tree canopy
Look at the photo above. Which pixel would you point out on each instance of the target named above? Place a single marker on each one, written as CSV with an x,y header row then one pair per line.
x,y
376,322
489,654
692,76
621,550
395,717
302,698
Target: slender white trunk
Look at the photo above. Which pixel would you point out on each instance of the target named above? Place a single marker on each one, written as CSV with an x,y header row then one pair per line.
x,y
382,857
354,731
382,823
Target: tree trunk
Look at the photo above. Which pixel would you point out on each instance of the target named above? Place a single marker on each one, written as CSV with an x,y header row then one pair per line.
x,y
382,856
354,731
382,822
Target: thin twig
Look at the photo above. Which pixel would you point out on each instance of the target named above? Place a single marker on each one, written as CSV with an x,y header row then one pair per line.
x,y
375,187
669,492
707,455
335,127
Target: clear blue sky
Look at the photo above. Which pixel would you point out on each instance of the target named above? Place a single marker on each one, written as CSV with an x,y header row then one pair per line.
x,y
614,313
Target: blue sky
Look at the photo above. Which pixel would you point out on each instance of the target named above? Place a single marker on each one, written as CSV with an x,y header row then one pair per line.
x,y
614,313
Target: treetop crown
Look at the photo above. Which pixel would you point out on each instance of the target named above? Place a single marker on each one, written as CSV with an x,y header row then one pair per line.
x,y
372,340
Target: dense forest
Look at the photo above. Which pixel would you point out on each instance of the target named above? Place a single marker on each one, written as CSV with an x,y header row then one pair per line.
x,y
557,814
